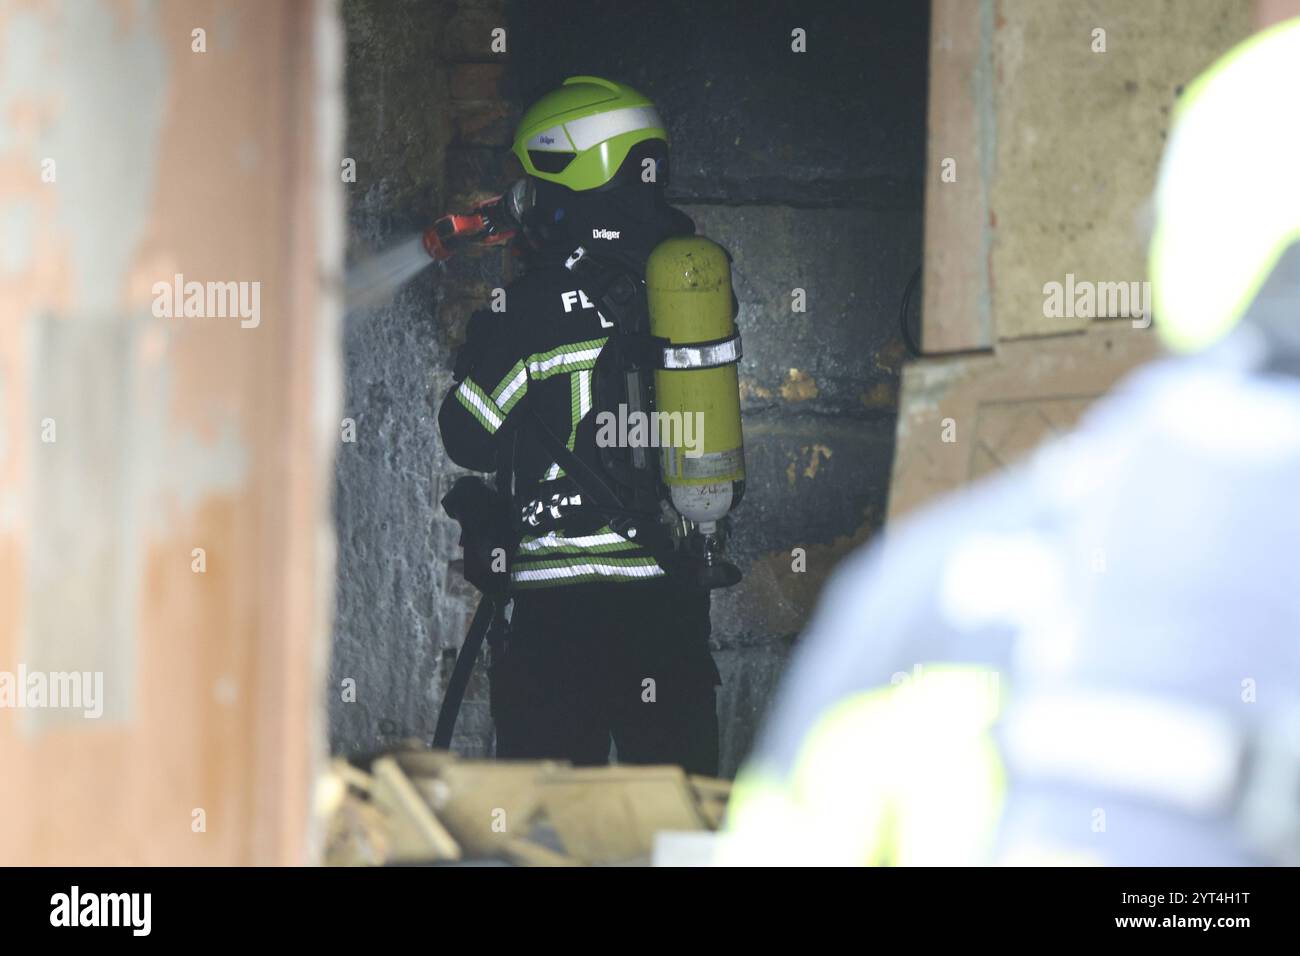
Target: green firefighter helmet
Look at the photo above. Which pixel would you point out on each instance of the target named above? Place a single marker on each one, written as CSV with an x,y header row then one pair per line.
x,y
579,135
1228,199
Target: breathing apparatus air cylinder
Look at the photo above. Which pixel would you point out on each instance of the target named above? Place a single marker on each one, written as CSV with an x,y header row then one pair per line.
x,y
691,307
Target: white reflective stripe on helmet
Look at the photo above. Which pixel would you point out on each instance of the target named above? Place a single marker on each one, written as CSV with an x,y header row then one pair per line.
x,y
593,130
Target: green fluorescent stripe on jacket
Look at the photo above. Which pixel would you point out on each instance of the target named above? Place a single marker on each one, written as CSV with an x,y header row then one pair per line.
x,y
479,405
584,579
512,388
552,564
564,552
566,358
591,568
603,541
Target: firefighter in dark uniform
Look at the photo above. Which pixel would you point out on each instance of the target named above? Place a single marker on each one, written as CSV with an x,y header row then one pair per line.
x,y
603,641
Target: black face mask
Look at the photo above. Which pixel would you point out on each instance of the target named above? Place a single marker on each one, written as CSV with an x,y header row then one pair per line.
x,y
623,220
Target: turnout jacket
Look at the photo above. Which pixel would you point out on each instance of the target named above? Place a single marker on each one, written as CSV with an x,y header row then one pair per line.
x,y
537,356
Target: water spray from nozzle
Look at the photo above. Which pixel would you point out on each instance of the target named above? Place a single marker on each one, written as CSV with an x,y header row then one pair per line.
x,y
493,222
373,281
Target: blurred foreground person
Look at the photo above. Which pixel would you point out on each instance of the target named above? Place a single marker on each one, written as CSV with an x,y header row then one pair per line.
x,y
1094,657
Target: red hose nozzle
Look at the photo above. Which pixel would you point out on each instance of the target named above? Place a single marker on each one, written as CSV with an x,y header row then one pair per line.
x,y
489,224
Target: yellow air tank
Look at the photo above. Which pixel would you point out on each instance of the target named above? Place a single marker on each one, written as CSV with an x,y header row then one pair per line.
x,y
697,396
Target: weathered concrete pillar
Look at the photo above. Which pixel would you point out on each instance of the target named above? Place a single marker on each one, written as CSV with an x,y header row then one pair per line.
x,y
170,245
1047,121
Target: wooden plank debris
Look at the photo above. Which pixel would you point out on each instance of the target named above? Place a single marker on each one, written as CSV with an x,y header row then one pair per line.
x,y
427,806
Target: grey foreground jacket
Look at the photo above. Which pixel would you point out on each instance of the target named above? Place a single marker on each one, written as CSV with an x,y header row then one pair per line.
x,y
1135,588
